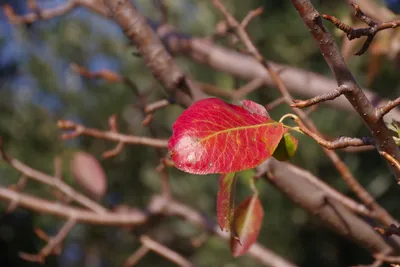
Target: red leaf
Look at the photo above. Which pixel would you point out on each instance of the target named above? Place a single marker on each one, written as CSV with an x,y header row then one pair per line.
x,y
89,174
247,224
226,200
212,136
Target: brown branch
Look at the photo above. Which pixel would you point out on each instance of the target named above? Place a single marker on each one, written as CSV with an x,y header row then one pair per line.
x,y
251,15
369,32
391,159
64,211
248,88
333,213
331,53
339,143
158,205
382,111
165,252
223,59
321,98
79,129
360,191
275,103
52,244
153,52
51,181
46,14
150,108
112,122
136,256
325,188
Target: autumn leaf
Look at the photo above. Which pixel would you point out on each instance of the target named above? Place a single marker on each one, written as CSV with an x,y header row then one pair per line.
x,y
226,200
212,136
89,174
287,148
246,225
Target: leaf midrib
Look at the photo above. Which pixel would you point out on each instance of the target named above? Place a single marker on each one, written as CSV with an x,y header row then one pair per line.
x,y
237,129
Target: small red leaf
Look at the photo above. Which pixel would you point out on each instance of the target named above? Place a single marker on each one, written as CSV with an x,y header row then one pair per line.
x,y
89,174
247,224
212,136
226,200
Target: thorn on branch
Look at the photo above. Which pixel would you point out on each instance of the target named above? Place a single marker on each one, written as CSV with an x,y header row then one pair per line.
x,y
369,32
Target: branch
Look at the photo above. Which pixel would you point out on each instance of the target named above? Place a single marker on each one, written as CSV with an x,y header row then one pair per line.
x,y
339,143
153,52
363,194
52,244
51,181
370,32
79,129
165,252
231,61
60,10
321,98
64,211
158,205
382,111
356,97
314,199
136,256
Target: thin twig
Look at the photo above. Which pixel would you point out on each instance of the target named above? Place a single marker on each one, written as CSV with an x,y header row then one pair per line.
x,y
79,129
150,108
339,143
136,256
391,159
251,15
165,252
51,181
52,244
321,98
248,88
370,32
382,111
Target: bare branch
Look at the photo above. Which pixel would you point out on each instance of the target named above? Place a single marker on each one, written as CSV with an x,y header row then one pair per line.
x,y
51,181
150,108
370,32
64,211
357,98
52,244
321,98
165,252
136,256
382,111
79,129
153,52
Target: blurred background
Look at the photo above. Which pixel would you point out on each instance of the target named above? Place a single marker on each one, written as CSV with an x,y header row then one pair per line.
x,y
39,87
